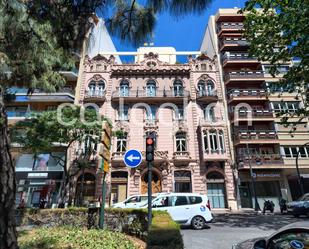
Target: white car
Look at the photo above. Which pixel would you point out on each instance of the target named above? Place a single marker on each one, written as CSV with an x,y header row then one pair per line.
x,y
185,208
134,201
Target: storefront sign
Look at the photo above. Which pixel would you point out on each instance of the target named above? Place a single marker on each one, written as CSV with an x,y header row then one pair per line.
x,y
37,175
266,175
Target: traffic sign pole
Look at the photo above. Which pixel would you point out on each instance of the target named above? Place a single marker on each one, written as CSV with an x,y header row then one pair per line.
x,y
102,211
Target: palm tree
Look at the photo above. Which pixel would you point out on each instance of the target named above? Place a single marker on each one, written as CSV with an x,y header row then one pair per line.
x,y
38,38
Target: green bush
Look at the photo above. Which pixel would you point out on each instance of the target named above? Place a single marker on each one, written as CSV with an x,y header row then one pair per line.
x,y
72,238
164,232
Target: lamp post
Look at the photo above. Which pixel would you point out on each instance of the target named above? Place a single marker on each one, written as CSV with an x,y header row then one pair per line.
x,y
301,187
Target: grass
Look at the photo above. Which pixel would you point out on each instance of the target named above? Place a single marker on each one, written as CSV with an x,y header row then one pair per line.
x,y
72,238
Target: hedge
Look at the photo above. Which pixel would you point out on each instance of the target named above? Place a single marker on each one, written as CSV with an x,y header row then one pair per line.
x,y
164,232
72,237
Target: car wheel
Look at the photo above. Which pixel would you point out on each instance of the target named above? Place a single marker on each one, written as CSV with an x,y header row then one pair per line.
x,y
198,222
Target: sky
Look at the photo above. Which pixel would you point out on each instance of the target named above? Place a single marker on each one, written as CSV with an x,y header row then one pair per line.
x,y
184,34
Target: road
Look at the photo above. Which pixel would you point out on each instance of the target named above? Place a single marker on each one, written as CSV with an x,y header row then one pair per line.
x,y
228,229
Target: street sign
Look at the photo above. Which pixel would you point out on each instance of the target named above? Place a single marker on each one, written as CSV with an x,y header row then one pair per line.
x,y
132,158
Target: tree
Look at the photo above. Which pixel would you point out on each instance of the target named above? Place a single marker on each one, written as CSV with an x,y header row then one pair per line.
x,y
41,133
278,32
38,38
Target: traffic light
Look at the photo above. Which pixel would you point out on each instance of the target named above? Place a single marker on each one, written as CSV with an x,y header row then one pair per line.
x,y
149,149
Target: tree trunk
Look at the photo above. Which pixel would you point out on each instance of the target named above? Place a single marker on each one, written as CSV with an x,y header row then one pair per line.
x,y
8,235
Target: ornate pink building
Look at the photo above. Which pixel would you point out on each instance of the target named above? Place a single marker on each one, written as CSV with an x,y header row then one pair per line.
x,y
182,105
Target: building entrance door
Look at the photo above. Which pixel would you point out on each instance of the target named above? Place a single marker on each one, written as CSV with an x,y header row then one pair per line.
x,y
156,183
216,194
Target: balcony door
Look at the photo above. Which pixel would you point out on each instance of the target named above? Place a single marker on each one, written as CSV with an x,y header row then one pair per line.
x,y
178,88
151,88
124,89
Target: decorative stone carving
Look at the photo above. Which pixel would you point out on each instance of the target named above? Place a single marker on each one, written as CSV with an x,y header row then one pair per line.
x,y
122,125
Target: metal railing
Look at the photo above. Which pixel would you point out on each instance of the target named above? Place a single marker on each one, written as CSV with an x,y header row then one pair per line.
x,y
246,93
262,113
237,57
240,42
94,94
259,159
209,93
243,74
255,134
156,94
230,25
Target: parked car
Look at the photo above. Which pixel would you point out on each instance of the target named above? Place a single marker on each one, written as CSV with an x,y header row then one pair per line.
x,y
133,201
293,236
185,208
299,207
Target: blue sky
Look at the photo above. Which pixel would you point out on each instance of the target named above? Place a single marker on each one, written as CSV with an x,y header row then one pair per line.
x,y
184,34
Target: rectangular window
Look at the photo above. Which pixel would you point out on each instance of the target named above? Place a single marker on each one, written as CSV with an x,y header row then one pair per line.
x,y
179,114
152,114
124,113
181,144
121,144
213,141
221,142
287,152
206,145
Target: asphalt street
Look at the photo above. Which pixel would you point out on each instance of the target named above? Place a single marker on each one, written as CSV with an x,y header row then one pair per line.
x,y
228,229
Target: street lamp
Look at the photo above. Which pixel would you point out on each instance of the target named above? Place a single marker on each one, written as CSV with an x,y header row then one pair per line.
x,y
297,169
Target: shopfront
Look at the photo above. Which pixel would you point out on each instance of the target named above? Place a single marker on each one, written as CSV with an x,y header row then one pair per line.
x,y
39,180
268,186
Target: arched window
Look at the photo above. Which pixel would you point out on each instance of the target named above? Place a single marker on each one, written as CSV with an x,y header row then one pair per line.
x,y
151,88
201,88
124,88
101,88
178,88
181,143
209,114
210,87
91,88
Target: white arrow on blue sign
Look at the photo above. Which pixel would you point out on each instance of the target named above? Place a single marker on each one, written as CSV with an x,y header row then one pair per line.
x,y
132,158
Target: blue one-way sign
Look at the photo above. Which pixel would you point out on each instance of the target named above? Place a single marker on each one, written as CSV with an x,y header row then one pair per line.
x,y
132,158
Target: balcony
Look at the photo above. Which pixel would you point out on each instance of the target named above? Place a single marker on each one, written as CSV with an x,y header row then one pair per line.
x,y
238,59
236,43
230,27
259,161
118,156
254,115
157,96
216,155
94,96
207,96
181,156
246,95
210,122
256,136
243,76
150,123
